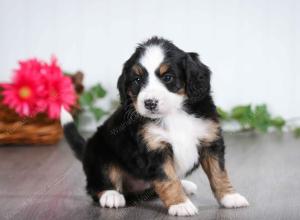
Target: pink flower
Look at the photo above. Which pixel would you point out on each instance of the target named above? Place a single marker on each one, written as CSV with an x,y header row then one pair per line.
x,y
39,87
23,94
59,90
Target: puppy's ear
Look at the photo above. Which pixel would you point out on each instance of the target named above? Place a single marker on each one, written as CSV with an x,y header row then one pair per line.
x,y
122,87
197,77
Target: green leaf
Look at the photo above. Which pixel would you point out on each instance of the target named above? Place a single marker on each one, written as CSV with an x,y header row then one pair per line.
x,y
243,114
278,122
97,112
297,132
262,119
98,91
86,99
241,111
223,115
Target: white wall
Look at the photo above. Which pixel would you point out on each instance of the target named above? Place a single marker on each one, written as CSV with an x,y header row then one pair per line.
x,y
251,46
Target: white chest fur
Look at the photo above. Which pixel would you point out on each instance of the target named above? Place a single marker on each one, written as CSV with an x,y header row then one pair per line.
x,y
183,132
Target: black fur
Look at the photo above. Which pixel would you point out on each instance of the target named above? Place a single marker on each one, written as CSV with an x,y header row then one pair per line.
x,y
197,78
117,141
74,139
123,148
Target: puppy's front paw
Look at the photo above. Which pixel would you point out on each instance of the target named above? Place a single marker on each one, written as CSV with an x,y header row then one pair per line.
x,y
234,200
189,187
112,199
186,208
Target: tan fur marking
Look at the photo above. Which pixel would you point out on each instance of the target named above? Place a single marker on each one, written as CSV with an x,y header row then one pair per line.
x,y
137,69
218,178
115,176
163,69
181,91
170,190
153,140
212,133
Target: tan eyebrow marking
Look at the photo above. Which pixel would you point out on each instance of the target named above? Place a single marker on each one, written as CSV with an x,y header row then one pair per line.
x,y
163,69
137,69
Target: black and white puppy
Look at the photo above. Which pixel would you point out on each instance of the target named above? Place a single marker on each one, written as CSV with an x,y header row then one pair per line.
x,y
165,127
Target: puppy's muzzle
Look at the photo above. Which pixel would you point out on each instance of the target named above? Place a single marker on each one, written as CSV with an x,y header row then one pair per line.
x,y
151,104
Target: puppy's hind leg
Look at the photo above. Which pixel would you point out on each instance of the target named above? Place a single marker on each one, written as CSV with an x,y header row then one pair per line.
x,y
113,198
105,186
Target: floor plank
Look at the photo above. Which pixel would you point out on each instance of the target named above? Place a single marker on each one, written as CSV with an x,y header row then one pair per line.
x,y
48,183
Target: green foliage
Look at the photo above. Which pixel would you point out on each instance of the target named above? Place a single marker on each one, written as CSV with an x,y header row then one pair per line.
x,y
97,112
261,118
278,122
250,117
243,114
88,100
223,115
297,132
98,91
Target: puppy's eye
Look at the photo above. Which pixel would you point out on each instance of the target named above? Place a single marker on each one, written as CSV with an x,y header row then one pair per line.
x,y
167,78
137,80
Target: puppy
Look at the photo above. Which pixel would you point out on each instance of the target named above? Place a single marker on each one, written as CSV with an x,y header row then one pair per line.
x,y
165,127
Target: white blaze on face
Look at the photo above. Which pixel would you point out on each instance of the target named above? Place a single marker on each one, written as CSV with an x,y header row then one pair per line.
x,y
154,88
152,58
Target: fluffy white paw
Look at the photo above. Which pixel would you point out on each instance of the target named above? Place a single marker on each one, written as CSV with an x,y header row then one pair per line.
x,y
186,208
189,187
112,199
234,200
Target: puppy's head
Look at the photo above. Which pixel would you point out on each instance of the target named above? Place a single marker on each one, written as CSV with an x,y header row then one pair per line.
x,y
159,77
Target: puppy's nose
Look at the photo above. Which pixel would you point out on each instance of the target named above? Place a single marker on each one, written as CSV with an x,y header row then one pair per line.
x,y
150,104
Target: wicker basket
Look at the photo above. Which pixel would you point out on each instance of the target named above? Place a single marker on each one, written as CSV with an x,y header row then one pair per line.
x,y
38,130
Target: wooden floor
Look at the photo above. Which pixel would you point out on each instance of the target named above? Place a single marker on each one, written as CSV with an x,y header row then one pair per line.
x,y
48,183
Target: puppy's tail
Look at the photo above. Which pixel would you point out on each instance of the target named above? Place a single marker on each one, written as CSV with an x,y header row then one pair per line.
x,y
74,139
